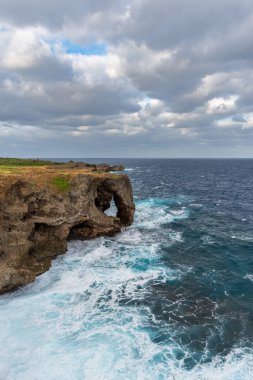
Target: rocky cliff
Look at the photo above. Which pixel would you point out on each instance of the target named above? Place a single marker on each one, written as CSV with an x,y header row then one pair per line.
x,y
38,217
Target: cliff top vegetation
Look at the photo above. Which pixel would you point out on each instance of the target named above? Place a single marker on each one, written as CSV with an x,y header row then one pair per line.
x,y
44,173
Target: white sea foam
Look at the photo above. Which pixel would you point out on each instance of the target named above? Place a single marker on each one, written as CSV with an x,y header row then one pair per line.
x,y
196,205
77,320
207,240
151,213
243,237
84,319
248,277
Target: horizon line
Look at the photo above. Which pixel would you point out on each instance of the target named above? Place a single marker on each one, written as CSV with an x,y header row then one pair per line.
x,y
138,158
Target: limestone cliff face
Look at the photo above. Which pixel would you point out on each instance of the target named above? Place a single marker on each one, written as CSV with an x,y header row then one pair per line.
x,y
35,224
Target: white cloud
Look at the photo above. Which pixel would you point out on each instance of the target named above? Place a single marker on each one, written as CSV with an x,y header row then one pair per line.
x,y
245,122
23,48
95,68
222,105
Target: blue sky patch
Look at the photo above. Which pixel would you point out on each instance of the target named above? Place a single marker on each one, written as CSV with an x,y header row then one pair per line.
x,y
91,49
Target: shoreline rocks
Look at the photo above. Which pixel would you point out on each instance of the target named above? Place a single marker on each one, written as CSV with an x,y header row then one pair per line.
x,y
36,223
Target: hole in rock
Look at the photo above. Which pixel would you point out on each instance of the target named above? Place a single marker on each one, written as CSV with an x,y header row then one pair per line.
x,y
105,200
80,231
112,210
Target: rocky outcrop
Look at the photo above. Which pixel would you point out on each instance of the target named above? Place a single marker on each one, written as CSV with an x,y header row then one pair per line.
x,y
90,167
35,223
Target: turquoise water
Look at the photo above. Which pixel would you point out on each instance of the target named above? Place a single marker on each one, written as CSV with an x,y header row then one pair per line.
x,y
169,297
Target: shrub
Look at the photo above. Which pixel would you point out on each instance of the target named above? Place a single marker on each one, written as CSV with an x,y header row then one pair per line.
x,y
8,161
61,182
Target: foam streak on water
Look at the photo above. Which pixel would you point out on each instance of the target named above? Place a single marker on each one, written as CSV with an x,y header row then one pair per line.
x,y
133,306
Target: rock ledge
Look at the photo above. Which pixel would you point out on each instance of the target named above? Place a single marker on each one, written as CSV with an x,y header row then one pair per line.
x,y
37,221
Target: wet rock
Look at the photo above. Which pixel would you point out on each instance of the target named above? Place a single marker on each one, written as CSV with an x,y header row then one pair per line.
x,y
35,224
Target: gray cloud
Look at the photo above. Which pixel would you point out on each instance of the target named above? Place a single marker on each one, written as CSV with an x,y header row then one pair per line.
x,y
176,80
53,14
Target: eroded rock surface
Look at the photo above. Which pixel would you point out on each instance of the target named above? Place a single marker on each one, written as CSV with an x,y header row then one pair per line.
x,y
35,224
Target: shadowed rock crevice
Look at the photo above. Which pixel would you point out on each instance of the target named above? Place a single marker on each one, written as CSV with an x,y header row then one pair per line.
x,y
36,223
84,230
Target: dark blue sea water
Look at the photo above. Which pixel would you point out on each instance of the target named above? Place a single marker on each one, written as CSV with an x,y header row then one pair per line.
x,y
171,297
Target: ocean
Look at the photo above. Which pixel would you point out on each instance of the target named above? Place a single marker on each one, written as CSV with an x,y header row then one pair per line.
x,y
171,297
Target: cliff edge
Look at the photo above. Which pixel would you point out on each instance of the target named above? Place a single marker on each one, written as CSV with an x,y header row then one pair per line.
x,y
42,208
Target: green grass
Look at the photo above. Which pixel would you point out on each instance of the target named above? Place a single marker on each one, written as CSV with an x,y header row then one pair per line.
x,y
6,161
62,183
7,168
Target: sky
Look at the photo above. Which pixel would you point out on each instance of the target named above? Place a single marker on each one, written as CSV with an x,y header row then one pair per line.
x,y
126,78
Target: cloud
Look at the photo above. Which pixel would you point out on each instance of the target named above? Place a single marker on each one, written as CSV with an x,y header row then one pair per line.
x,y
222,105
23,49
113,78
